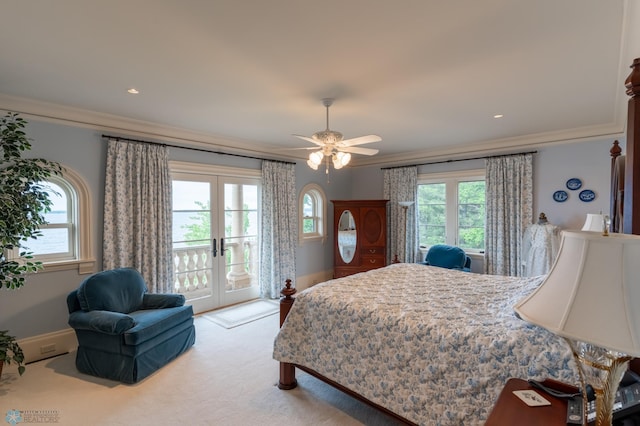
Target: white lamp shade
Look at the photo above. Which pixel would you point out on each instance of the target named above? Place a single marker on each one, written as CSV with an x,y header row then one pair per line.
x,y
316,157
594,222
311,164
590,291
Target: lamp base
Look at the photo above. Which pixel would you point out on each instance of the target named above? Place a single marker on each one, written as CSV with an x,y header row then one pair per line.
x,y
603,370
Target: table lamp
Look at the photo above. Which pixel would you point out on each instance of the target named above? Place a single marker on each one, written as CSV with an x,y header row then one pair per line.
x,y
596,223
588,299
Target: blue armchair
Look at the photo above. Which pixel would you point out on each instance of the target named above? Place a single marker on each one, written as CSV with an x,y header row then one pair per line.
x,y
125,333
446,256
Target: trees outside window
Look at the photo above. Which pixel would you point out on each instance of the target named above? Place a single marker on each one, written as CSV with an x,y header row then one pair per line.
x,y
451,210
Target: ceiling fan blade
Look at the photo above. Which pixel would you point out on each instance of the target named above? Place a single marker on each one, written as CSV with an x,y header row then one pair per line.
x,y
297,149
357,150
306,138
360,140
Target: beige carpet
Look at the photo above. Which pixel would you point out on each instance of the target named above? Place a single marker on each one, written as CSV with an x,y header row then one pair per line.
x,y
243,313
227,378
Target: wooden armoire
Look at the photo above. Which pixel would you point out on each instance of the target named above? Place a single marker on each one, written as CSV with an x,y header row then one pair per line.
x,y
360,235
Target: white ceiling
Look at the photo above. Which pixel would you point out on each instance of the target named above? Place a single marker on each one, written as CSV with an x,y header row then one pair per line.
x,y
426,75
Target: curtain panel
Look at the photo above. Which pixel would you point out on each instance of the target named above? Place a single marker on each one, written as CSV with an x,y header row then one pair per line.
x,y
279,227
137,212
401,184
509,202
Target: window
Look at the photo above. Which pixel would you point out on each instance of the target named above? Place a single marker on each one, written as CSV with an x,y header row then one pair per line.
x,y
451,209
66,240
313,213
58,235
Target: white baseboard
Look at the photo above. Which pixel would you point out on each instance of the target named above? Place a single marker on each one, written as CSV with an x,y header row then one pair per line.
x,y
47,345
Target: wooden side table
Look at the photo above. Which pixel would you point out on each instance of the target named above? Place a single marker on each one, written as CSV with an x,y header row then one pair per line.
x,y
510,410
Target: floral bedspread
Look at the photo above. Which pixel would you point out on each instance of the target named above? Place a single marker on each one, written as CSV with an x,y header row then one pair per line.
x,y
433,345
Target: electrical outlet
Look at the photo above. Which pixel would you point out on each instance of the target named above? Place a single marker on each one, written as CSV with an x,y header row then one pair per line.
x,y
48,348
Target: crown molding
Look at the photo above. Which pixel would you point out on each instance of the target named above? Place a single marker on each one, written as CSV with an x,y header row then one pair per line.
x,y
61,114
499,146
122,126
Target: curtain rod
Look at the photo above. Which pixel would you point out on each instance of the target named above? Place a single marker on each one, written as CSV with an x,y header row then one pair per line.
x,y
460,159
119,138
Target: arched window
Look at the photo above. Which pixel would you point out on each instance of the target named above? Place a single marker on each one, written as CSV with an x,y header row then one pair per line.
x,y
313,213
66,241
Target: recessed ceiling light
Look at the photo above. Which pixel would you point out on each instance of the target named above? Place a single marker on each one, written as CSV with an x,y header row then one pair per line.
x,y
133,91
498,116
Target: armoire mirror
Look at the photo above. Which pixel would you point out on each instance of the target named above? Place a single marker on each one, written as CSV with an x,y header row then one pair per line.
x,y
347,236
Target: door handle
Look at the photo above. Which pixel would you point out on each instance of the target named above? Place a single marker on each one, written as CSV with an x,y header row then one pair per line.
x,y
221,246
215,248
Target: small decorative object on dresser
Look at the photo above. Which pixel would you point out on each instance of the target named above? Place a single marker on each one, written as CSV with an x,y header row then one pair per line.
x,y
360,235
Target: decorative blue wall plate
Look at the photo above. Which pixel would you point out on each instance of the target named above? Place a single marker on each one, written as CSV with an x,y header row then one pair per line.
x,y
574,183
561,196
587,195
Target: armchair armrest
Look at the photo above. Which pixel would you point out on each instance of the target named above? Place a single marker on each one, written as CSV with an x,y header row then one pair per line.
x,y
162,300
101,321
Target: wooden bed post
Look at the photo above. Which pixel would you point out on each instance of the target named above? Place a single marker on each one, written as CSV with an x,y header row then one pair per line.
x,y
287,371
616,193
631,215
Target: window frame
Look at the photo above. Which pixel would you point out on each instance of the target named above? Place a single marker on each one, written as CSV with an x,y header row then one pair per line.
x,y
319,215
70,225
81,236
451,181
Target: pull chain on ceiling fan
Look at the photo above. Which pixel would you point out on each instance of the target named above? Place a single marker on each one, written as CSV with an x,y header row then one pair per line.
x,y
334,147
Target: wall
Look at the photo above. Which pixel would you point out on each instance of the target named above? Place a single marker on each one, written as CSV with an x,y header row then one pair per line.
x,y
39,307
553,166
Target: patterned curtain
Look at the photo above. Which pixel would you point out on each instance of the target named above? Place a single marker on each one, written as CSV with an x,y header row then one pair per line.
x,y
137,212
279,227
509,195
401,184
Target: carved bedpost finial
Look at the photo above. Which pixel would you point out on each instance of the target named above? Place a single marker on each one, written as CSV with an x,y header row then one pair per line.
x,y
288,291
632,83
286,301
615,150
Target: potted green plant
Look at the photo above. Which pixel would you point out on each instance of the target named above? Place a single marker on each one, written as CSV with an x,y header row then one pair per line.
x,y
10,352
24,200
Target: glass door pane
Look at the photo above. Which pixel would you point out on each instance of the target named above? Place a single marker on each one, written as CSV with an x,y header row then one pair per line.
x,y
193,235
241,248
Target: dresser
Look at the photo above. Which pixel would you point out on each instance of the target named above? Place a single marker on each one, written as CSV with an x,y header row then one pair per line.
x,y
360,235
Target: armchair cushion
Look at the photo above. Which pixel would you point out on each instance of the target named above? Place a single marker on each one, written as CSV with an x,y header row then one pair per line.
x,y
161,301
101,321
117,290
150,323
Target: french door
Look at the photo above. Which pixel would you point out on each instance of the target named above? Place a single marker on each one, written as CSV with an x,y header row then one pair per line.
x,y
215,238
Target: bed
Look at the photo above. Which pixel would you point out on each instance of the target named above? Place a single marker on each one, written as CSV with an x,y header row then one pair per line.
x,y
435,346
428,345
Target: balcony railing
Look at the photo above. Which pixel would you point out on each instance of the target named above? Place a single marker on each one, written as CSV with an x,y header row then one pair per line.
x,y
193,268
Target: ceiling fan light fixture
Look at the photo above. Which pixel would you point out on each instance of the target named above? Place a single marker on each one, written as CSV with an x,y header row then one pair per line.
x,y
311,164
315,158
341,159
333,146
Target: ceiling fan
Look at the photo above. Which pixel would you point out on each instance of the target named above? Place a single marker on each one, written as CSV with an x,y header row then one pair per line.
x,y
334,147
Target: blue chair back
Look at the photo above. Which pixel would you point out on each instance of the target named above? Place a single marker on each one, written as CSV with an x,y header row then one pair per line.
x,y
446,256
116,290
